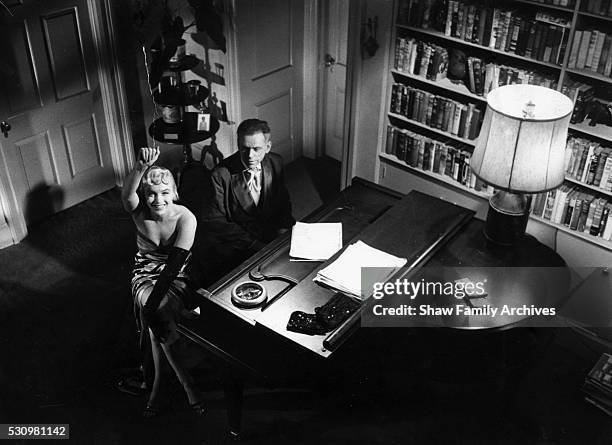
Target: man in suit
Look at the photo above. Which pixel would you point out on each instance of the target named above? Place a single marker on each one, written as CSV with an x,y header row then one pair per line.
x,y
248,204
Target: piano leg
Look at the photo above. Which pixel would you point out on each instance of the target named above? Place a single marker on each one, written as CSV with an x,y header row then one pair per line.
x,y
233,387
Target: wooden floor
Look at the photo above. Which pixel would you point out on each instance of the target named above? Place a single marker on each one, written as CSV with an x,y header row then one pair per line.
x,y
67,332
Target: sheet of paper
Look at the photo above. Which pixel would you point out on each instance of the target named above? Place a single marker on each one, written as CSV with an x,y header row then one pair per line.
x,y
344,274
315,242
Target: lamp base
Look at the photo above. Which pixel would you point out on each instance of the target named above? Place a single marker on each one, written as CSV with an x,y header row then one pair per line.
x,y
507,218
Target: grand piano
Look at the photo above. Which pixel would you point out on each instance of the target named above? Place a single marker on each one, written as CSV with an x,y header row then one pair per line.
x,y
255,343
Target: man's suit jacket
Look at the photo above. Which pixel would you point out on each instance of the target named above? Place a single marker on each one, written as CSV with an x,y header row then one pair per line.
x,y
230,212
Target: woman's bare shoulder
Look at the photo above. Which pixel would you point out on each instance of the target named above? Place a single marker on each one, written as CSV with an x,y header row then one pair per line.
x,y
185,215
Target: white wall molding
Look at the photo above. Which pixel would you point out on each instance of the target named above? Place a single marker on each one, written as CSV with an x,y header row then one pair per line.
x,y
234,110
311,79
112,87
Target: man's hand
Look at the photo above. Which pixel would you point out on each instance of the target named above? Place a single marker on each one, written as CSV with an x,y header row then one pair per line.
x,y
147,156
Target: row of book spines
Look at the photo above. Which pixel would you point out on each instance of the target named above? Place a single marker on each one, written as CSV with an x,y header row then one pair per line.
x,y
599,7
434,13
506,30
591,50
576,210
564,3
499,75
481,77
422,12
421,58
434,156
438,112
589,163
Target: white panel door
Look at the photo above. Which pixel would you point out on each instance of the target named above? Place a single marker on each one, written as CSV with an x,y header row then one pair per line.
x,y
335,76
57,152
269,40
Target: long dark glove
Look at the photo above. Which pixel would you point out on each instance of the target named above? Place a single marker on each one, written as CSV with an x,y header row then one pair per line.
x,y
176,260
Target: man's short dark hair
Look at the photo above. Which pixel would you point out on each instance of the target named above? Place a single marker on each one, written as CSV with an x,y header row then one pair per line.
x,y
252,126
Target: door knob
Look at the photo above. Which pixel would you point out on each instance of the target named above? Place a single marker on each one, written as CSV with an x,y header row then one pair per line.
x,y
330,61
5,127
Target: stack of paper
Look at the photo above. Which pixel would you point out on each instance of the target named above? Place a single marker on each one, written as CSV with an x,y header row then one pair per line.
x,y
315,242
344,274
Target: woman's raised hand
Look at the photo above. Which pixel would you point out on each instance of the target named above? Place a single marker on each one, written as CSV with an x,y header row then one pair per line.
x,y
148,156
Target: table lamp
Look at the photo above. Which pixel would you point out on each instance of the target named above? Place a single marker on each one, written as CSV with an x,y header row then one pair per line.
x,y
520,151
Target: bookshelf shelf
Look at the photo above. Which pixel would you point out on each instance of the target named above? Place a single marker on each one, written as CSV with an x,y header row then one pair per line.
x,y
596,16
584,236
546,5
599,131
589,74
435,130
588,186
554,75
443,36
442,178
444,84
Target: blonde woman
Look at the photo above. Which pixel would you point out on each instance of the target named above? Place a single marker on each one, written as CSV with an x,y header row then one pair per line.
x,y
164,231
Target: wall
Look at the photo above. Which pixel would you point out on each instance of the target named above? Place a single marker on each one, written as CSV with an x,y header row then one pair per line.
x,y
369,93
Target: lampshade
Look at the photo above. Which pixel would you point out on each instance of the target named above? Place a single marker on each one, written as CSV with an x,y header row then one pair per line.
x,y
521,147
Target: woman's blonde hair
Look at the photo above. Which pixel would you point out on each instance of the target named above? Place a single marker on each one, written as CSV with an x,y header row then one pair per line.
x,y
156,175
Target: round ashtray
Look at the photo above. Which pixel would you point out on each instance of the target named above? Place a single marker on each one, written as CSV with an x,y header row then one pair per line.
x,y
248,294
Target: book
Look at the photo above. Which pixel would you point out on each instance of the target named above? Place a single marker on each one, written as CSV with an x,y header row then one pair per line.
x,y
538,43
577,209
482,23
584,49
607,70
548,43
591,50
607,235
569,208
607,172
598,50
574,51
470,72
604,220
494,29
590,215
477,65
528,52
550,203
475,125
605,51
586,205
597,214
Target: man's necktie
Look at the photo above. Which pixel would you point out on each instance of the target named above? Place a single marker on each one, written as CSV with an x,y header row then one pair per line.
x,y
253,183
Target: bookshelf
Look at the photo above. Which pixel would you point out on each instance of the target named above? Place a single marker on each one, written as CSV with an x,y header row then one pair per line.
x,y
433,39
392,159
441,35
432,129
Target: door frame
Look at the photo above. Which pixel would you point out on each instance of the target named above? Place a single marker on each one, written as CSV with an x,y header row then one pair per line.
x,y
316,97
116,113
